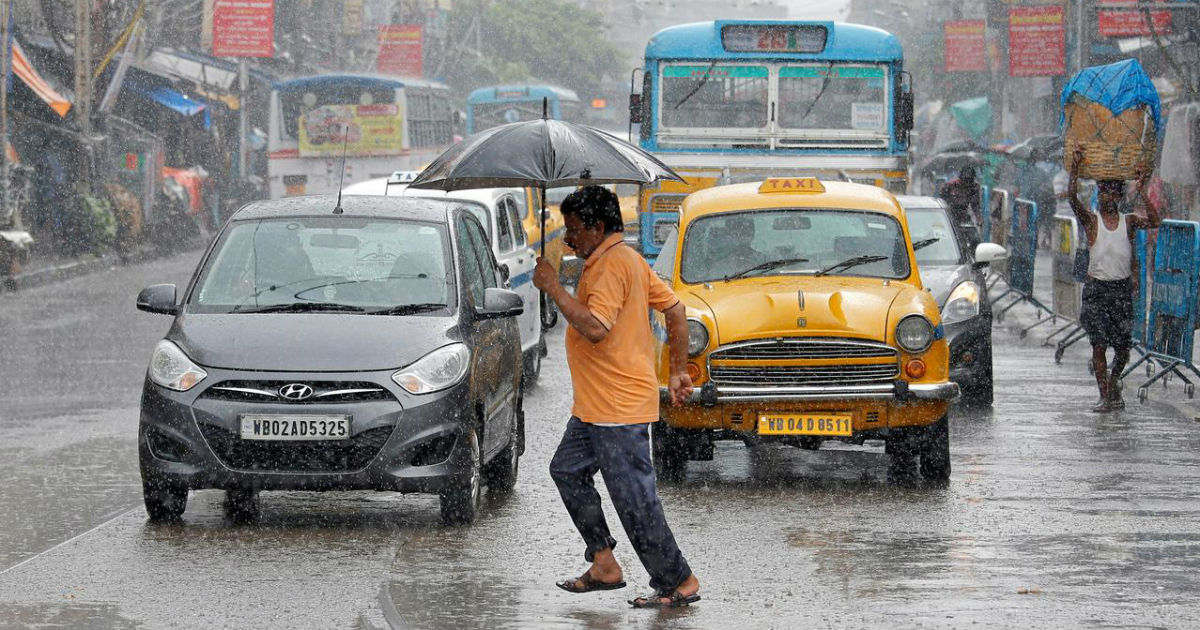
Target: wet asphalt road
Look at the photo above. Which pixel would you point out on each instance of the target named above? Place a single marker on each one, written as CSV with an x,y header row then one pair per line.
x,y
1054,517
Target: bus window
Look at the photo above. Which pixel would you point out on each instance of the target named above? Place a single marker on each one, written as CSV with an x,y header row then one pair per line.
x,y
297,103
714,96
833,97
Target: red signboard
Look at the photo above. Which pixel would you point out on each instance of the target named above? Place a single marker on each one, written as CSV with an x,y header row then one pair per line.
x,y
966,46
243,28
1036,42
400,50
1131,22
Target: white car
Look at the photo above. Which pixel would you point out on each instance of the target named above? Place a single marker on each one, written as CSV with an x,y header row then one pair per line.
x,y
499,210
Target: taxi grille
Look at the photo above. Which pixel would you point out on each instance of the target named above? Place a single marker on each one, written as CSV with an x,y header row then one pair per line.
x,y
805,349
760,375
280,456
816,362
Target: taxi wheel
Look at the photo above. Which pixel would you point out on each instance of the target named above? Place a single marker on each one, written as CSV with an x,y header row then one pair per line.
x,y
670,459
460,504
164,501
902,455
935,451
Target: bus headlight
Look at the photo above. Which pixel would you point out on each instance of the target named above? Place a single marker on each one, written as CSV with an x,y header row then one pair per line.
x,y
697,337
914,334
963,303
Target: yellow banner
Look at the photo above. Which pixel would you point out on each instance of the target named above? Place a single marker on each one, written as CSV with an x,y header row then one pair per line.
x,y
363,130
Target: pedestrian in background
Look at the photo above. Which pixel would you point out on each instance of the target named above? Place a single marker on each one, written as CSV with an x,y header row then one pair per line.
x,y
610,352
963,198
1107,313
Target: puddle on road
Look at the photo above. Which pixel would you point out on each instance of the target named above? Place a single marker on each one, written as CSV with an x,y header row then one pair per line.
x,y
65,617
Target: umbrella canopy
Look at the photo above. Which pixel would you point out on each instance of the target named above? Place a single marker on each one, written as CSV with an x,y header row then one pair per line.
x,y
1049,148
541,153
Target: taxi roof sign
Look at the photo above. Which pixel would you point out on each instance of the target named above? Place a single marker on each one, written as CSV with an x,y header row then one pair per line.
x,y
791,185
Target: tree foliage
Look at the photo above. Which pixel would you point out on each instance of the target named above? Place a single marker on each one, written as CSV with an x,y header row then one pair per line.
x,y
550,40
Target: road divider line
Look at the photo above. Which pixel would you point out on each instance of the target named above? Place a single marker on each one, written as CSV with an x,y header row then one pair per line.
x,y
111,516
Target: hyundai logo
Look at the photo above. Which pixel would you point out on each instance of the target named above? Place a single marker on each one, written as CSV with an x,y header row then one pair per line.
x,y
296,391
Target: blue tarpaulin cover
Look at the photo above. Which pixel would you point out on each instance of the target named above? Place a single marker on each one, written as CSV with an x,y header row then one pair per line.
x,y
170,98
1118,86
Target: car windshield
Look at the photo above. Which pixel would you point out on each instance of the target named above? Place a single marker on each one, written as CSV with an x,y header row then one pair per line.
x,y
336,264
793,241
933,223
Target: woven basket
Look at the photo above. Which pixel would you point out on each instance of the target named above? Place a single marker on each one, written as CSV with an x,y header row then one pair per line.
x,y
1114,147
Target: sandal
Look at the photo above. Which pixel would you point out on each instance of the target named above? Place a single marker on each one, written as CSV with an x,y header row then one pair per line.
x,y
586,584
675,599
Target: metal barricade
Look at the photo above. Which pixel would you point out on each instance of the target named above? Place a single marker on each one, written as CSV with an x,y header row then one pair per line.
x,y
1067,296
985,204
1170,321
1022,259
998,212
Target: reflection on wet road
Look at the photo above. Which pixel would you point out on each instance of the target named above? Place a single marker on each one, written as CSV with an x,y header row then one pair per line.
x,y
1054,517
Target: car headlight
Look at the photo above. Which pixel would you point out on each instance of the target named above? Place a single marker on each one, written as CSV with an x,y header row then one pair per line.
x,y
171,368
914,333
697,337
963,303
435,371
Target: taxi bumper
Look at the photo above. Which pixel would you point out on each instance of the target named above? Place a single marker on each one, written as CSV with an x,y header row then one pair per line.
x,y
896,391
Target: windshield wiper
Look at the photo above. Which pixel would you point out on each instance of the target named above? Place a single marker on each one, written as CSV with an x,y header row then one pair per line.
x,y
767,266
922,244
303,307
700,84
851,262
409,309
824,86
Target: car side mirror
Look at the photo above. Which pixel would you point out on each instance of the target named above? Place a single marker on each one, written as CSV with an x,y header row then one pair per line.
x,y
988,253
159,298
501,303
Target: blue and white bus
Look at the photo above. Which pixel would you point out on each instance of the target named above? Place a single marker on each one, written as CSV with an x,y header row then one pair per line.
x,y
381,124
735,100
494,106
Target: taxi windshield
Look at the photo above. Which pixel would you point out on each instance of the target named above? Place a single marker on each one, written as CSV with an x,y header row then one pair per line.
x,y
334,264
798,241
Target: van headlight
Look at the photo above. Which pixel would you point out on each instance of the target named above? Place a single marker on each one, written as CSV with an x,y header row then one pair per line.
x,y
435,371
172,369
914,333
963,303
697,337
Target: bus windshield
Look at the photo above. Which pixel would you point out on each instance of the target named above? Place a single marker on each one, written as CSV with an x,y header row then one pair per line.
x,y
841,97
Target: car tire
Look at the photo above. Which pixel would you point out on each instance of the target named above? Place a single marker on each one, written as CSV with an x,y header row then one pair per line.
x,y
165,501
667,449
241,504
935,451
501,472
902,456
460,504
532,365
978,392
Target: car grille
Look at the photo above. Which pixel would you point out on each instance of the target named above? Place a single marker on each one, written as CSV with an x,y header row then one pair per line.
x,y
324,392
283,456
804,349
804,362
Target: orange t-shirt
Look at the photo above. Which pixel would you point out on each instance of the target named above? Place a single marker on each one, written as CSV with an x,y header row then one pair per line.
x,y
615,380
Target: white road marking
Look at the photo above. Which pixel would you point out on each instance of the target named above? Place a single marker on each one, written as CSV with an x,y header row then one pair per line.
x,y
112,517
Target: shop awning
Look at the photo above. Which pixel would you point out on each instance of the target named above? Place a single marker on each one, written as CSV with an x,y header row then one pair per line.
x,y
23,69
171,99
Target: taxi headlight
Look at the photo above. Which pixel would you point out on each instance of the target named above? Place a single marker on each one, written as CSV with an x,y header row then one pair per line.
x,y
172,369
435,371
914,333
963,303
697,337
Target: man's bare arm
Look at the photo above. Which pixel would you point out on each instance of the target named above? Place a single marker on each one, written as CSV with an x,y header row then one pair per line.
x,y
1153,218
545,277
680,384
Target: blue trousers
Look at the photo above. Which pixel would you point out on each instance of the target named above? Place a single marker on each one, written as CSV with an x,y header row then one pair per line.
x,y
622,456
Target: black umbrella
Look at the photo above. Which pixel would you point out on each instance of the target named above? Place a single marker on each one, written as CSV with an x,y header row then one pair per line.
x,y
545,154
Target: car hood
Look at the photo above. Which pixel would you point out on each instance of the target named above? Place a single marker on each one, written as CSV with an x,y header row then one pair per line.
x,y
844,307
940,280
309,342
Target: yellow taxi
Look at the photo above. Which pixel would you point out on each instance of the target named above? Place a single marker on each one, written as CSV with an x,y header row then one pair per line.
x,y
807,322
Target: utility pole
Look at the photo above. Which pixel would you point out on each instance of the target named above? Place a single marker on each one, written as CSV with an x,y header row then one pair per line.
x,y
5,63
83,66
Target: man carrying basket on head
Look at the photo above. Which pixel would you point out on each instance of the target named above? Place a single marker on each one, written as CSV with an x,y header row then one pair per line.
x,y
1107,314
